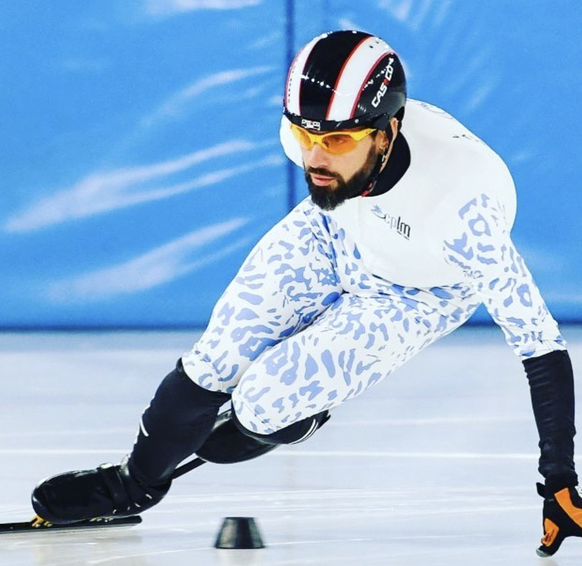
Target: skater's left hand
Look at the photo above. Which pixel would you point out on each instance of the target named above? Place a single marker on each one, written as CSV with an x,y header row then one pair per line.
x,y
562,518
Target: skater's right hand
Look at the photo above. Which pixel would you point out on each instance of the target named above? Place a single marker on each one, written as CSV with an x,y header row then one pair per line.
x,y
562,516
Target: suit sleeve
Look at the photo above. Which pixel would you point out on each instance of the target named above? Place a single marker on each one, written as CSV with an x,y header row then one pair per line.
x,y
480,244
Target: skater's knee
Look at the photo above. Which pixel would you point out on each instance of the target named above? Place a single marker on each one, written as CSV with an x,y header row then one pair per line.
x,y
210,373
294,433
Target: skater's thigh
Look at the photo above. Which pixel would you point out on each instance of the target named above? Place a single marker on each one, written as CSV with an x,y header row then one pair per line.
x,y
352,346
284,284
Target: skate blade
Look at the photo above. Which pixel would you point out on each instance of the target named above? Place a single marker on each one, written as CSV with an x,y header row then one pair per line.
x,y
38,524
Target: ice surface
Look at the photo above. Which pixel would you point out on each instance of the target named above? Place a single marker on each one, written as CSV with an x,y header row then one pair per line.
x,y
435,466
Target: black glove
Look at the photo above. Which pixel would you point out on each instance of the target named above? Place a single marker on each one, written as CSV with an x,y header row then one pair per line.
x,y
562,518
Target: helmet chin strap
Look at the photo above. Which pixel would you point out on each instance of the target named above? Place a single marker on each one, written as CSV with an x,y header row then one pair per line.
x,y
370,183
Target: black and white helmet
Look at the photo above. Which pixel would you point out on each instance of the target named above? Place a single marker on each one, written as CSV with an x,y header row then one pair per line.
x,y
345,79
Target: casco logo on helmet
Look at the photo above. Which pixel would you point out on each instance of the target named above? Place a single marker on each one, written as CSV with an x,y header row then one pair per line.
x,y
384,86
311,124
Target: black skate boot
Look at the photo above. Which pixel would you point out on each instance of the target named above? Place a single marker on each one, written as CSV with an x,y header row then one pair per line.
x,y
105,492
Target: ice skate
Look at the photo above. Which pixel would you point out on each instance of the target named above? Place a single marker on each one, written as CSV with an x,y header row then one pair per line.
x,y
108,491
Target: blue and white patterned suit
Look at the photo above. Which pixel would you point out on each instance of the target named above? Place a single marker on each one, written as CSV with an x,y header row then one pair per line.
x,y
329,303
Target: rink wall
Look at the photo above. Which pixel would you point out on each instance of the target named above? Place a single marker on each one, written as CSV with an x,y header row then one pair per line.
x,y
140,158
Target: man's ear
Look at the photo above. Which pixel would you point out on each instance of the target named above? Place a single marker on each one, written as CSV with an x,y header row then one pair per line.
x,y
395,126
382,141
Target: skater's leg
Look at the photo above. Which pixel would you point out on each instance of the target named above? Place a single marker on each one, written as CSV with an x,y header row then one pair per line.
x,y
352,346
274,295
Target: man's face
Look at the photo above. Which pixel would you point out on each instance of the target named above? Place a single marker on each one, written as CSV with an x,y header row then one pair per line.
x,y
332,179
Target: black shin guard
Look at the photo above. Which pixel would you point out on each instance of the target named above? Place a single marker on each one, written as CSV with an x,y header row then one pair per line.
x,y
175,424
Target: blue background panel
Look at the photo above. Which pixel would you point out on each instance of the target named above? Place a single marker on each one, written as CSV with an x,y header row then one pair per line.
x,y
140,159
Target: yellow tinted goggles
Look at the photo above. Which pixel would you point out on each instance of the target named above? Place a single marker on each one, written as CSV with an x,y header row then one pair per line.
x,y
336,143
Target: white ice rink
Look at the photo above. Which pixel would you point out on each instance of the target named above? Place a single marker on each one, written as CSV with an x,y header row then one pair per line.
x,y
435,466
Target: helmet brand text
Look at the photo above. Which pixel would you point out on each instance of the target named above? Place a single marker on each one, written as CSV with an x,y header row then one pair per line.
x,y
385,82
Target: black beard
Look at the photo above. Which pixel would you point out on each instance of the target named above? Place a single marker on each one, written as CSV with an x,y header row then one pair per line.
x,y
329,199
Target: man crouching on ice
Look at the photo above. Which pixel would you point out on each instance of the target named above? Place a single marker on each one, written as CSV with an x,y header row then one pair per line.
x,y
406,231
